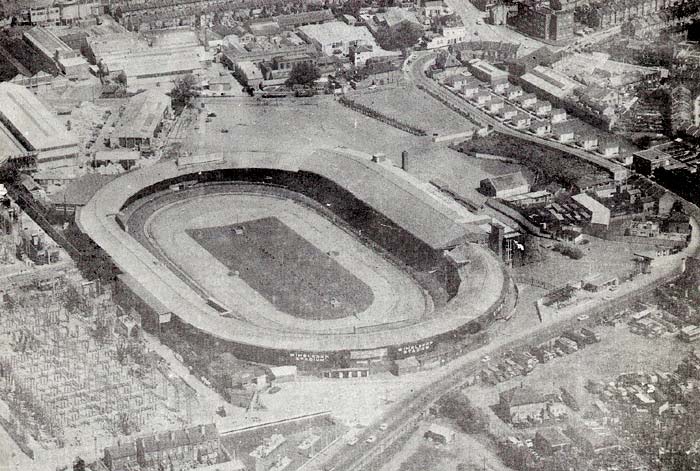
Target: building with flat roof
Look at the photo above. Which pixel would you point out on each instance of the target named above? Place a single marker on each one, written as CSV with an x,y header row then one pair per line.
x,y
35,128
67,60
142,119
336,37
649,160
487,72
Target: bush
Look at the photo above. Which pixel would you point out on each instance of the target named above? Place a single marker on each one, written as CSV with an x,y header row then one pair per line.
x,y
457,406
568,251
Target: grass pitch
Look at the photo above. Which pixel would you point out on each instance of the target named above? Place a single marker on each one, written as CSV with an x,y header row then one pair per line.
x,y
286,269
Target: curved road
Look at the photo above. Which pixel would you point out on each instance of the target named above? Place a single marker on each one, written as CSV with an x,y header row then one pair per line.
x,y
403,417
417,74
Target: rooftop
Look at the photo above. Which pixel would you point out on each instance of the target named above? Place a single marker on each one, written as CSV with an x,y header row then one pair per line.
x,y
520,396
79,191
143,115
48,42
337,32
508,181
34,123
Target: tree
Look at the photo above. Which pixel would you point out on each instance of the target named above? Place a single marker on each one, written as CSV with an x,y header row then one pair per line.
x,y
401,36
183,91
121,78
458,407
303,74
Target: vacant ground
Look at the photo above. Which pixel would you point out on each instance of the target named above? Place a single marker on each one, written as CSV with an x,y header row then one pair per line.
x,y
286,269
412,106
600,256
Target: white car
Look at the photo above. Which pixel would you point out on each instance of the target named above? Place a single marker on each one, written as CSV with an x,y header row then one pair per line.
x,y
371,439
582,318
383,426
352,441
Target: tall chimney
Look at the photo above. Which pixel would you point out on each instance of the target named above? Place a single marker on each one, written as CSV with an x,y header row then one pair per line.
x,y
404,161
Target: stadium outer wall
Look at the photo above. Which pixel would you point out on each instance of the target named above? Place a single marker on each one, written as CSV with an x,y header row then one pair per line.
x,y
378,229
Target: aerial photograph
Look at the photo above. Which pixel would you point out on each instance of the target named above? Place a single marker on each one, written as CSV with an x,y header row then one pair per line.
x,y
349,235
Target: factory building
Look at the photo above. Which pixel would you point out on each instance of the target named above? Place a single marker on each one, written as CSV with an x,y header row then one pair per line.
x,y
160,57
141,120
68,61
28,127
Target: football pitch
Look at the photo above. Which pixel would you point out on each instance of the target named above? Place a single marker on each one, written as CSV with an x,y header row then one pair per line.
x,y
286,269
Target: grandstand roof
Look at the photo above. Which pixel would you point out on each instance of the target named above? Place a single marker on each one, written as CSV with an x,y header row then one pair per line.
x,y
9,145
389,192
36,125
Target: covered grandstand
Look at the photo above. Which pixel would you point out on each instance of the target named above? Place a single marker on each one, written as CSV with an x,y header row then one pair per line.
x,y
364,193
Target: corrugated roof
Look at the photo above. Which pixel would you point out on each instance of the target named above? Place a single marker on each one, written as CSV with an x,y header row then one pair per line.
x,y
508,181
32,120
143,115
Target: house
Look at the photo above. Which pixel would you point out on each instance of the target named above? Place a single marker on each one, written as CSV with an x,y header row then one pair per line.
x,y
521,120
521,405
501,87
557,115
542,108
678,223
503,186
471,88
456,81
551,440
533,198
587,141
494,105
482,98
563,132
507,112
205,444
440,434
539,127
148,451
121,457
608,147
527,101
513,92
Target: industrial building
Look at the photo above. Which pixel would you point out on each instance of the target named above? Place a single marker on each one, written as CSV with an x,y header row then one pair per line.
x,y
336,37
141,121
27,125
600,215
548,83
487,72
68,61
504,186
162,56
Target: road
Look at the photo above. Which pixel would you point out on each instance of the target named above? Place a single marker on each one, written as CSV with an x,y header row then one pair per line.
x,y
417,75
405,415
478,29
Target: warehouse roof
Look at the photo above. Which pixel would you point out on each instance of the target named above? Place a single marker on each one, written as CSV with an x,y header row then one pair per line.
x,y
143,115
9,145
337,32
507,181
79,191
48,42
35,124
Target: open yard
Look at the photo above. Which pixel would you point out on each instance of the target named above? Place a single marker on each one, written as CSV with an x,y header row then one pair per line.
x,y
286,269
412,106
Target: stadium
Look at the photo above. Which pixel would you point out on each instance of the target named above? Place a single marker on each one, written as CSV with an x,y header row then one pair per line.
x,y
329,259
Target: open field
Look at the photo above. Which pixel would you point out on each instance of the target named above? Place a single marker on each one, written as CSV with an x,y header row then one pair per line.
x,y
381,294
286,269
410,105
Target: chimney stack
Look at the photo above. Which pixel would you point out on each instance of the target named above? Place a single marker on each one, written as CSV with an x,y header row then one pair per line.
x,y
404,161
